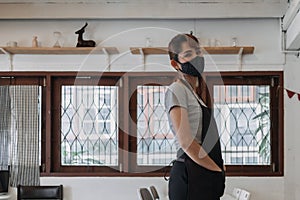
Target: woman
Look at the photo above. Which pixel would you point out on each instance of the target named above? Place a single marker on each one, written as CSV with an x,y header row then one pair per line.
x,y
198,173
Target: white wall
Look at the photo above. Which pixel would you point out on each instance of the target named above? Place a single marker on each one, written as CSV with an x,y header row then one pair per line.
x,y
264,34
292,137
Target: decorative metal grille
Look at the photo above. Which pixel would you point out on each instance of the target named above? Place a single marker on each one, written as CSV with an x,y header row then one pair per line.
x,y
155,142
242,114
89,125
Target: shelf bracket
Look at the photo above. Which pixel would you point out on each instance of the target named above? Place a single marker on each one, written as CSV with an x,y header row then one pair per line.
x,y
107,55
142,57
240,56
10,58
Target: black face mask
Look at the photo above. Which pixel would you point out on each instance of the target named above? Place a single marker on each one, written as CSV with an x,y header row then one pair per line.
x,y
194,67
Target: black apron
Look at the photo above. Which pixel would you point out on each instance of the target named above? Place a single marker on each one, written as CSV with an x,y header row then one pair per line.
x,y
204,184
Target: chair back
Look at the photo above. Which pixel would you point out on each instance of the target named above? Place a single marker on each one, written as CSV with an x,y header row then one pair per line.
x,y
236,192
154,192
40,192
245,195
145,194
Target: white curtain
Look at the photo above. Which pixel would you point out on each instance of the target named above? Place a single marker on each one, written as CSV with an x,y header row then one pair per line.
x,y
25,135
4,127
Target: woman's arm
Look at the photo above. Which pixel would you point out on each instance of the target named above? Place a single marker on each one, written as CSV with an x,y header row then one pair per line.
x,y
190,146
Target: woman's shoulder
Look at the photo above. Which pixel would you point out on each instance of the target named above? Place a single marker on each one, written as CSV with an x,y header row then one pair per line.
x,y
176,87
176,95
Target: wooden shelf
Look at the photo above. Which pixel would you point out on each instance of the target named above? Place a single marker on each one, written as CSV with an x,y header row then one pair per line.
x,y
221,50
149,50
11,51
114,50
230,50
60,51
208,50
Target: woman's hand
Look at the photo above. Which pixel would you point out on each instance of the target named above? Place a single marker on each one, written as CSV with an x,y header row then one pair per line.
x,y
189,145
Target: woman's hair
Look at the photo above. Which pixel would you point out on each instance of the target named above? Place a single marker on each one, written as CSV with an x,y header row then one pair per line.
x,y
175,45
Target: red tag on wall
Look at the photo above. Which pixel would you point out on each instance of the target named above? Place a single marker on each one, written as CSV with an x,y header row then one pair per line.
x,y
290,93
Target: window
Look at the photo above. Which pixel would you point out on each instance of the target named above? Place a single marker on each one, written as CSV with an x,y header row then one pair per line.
x,y
155,144
89,125
85,124
248,111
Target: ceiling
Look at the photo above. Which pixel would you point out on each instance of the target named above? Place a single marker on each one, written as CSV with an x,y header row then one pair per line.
x,y
140,1
141,9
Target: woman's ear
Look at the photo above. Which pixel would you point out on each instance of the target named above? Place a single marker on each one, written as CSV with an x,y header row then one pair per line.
x,y
174,64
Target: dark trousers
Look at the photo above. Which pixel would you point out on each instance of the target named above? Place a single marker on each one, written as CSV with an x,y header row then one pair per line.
x,y
184,185
178,182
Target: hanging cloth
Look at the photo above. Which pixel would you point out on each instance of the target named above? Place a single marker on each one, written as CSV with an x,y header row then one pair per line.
x,y
4,127
25,151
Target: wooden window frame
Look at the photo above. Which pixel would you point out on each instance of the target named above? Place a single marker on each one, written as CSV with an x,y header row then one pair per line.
x,y
127,134
129,81
276,112
135,80
30,78
57,82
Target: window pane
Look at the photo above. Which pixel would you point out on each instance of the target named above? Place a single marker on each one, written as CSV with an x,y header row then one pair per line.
x,y
242,114
89,125
155,142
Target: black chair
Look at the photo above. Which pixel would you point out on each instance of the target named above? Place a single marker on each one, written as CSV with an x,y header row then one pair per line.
x,y
145,194
39,192
154,192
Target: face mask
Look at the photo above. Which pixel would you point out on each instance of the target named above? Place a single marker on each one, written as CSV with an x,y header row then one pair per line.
x,y
194,67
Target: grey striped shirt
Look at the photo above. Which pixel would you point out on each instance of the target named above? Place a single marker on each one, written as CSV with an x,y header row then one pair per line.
x,y
178,94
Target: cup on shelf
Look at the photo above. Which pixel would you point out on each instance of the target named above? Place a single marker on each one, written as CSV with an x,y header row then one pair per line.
x,y
57,36
212,42
148,42
11,44
234,41
217,43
